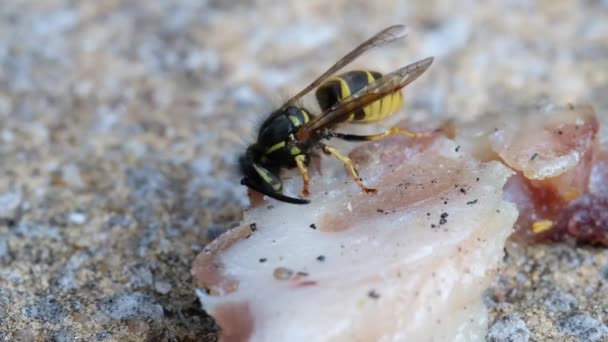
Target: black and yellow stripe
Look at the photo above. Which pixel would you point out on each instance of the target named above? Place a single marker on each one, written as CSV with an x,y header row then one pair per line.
x,y
299,117
287,121
339,87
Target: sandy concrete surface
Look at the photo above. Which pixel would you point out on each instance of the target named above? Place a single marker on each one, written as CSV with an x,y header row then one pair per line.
x,y
121,123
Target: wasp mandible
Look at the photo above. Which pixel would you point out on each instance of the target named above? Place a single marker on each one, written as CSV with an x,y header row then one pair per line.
x,y
291,134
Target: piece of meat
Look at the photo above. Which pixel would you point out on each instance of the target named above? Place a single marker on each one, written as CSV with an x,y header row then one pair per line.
x,y
408,263
585,218
598,179
558,160
411,261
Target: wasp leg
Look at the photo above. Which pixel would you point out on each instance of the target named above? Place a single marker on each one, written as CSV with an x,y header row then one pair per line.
x,y
393,131
301,163
350,166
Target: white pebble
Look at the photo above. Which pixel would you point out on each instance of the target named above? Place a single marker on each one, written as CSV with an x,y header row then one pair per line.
x,y
77,218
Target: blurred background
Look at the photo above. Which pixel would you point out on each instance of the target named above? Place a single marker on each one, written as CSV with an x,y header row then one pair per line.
x,y
121,123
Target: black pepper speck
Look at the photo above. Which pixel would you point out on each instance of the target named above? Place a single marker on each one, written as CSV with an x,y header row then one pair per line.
x,y
443,219
373,294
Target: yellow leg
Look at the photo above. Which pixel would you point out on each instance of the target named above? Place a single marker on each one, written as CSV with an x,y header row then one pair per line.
x,y
409,134
394,130
301,163
350,166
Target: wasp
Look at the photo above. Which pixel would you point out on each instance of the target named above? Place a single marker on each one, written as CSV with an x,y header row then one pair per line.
x,y
291,135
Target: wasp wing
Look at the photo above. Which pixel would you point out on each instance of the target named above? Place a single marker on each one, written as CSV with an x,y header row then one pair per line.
x,y
374,91
383,37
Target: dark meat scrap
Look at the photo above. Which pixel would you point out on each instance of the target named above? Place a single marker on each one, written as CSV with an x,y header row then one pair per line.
x,y
561,184
584,219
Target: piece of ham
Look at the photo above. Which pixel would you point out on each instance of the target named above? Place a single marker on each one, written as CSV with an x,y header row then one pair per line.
x,y
408,263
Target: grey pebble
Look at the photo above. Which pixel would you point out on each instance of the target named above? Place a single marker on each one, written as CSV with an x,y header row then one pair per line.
x,y
46,310
521,277
117,221
584,327
131,305
37,230
509,328
5,251
9,203
63,335
103,335
141,276
559,301
72,176
163,287
66,278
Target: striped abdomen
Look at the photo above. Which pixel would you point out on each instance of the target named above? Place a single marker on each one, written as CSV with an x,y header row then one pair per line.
x,y
339,87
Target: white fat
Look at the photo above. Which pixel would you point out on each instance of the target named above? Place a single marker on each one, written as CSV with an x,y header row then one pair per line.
x,y
388,275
